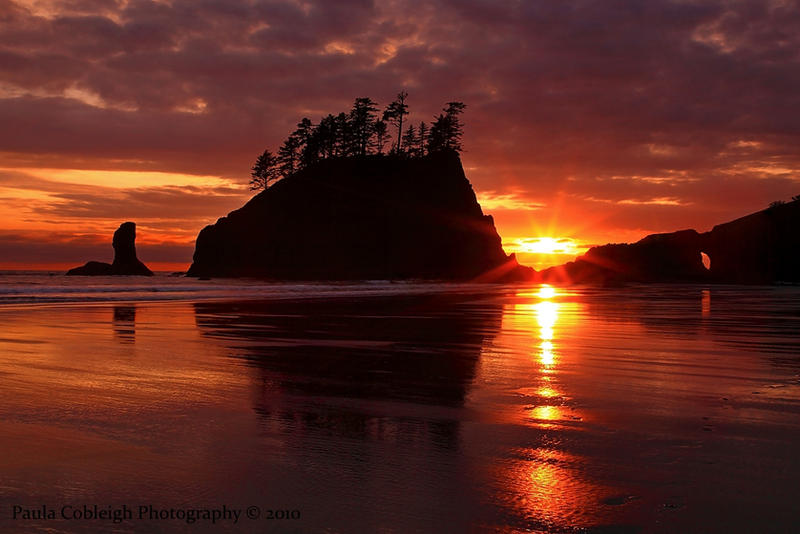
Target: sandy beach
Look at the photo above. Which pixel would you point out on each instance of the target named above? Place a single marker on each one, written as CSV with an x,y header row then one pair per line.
x,y
486,409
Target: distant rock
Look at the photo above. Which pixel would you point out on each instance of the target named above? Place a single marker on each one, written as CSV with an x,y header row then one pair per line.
x,y
370,218
92,268
125,260
760,248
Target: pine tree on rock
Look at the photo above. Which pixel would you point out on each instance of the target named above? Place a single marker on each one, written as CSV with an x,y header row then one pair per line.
x,y
394,114
265,170
381,135
410,141
362,119
447,130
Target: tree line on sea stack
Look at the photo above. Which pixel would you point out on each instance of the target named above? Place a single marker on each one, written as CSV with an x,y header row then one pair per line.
x,y
358,133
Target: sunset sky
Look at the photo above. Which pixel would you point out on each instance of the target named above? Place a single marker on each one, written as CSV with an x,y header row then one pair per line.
x,y
587,121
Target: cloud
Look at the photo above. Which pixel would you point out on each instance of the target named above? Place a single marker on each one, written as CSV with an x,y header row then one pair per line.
x,y
67,220
629,101
493,201
41,248
660,201
622,86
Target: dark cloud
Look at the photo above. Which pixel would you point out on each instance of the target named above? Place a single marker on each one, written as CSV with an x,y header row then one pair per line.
x,y
159,203
582,98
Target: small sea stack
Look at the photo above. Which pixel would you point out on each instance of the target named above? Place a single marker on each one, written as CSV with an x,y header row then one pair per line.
x,y
125,261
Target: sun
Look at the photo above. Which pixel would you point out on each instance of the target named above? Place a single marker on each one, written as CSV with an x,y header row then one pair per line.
x,y
544,252
547,245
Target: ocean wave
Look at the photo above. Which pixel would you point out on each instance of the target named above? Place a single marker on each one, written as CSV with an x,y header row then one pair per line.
x,y
45,288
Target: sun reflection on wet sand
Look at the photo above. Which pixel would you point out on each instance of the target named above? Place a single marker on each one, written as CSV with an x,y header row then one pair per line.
x,y
543,482
532,324
547,291
546,392
546,356
552,490
524,409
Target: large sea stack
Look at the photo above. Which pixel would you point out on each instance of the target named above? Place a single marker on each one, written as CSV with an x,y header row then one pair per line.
x,y
125,260
368,218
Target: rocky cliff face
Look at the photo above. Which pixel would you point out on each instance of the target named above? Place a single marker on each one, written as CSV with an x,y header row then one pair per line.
x,y
673,257
125,260
359,219
760,248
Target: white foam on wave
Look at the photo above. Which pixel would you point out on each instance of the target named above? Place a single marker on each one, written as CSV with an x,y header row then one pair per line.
x,y
47,288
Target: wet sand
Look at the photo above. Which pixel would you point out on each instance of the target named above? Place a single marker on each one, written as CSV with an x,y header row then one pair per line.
x,y
639,409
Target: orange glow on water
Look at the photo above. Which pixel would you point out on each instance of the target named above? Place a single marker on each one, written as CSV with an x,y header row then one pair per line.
x,y
546,357
705,303
539,313
547,413
547,291
549,486
546,481
546,317
546,392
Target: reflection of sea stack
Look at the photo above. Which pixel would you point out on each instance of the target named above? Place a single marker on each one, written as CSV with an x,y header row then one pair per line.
x,y
418,348
373,217
124,323
125,260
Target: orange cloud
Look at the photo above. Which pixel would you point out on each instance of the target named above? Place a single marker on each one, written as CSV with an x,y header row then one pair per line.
x,y
592,121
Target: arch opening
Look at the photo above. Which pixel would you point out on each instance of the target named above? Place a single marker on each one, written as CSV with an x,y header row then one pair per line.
x,y
706,259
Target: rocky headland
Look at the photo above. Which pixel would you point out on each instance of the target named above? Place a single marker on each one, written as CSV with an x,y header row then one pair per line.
x,y
760,248
395,218
363,218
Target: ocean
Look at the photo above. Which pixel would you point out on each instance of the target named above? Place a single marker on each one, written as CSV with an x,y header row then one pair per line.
x,y
167,404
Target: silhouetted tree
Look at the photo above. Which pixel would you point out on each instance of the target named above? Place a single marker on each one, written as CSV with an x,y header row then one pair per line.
x,y
394,113
438,134
343,135
326,134
358,133
454,128
311,149
265,170
288,156
381,134
446,131
422,138
410,141
304,131
362,118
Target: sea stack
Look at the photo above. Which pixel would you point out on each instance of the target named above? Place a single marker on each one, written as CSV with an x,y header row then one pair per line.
x,y
367,218
760,248
125,261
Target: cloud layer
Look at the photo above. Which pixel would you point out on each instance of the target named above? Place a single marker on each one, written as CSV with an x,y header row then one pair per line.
x,y
598,119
